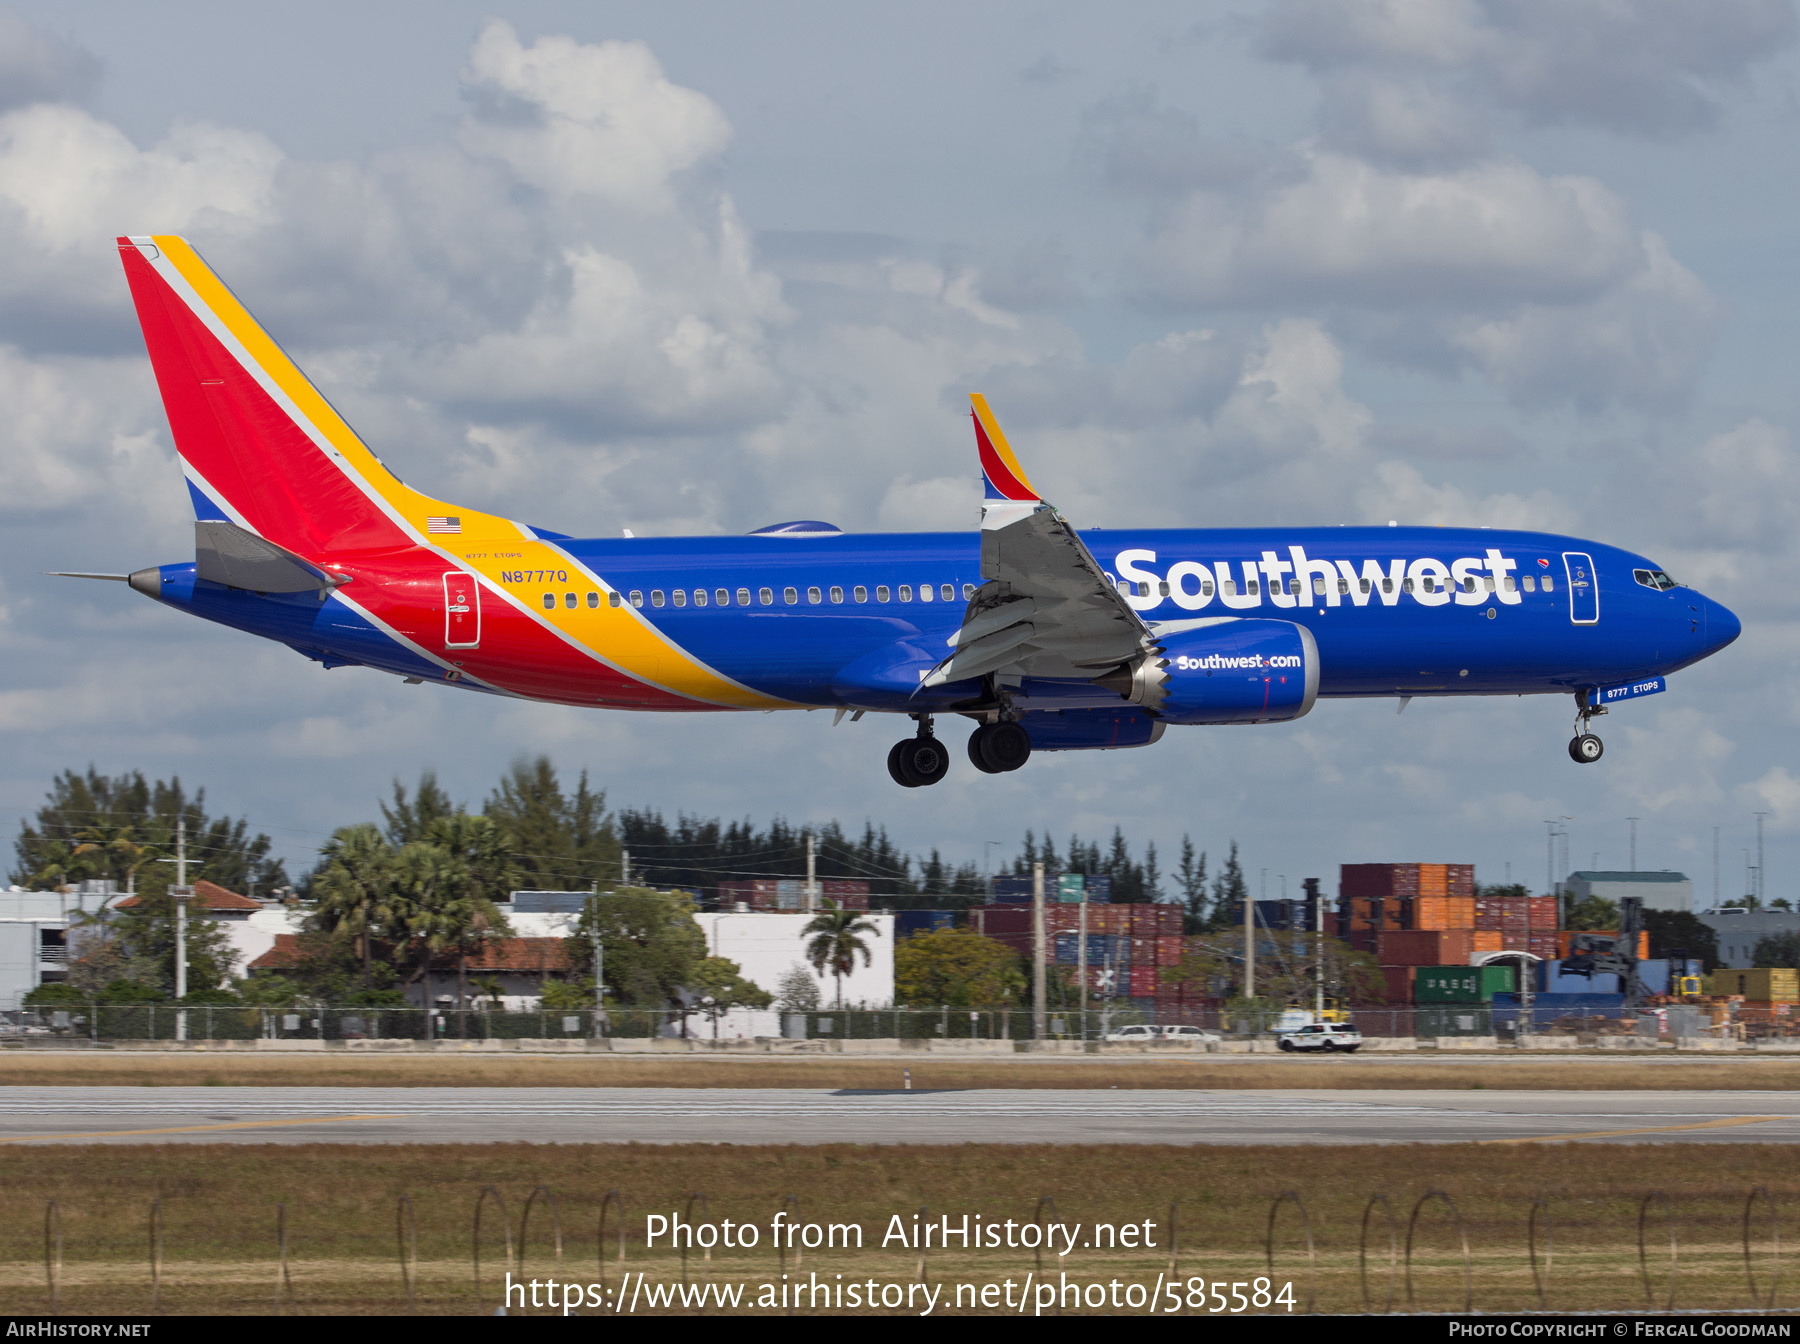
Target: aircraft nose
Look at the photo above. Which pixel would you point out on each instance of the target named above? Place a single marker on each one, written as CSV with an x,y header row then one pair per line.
x,y
1719,625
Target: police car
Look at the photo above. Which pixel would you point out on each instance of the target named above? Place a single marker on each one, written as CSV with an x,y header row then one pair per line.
x,y
1321,1036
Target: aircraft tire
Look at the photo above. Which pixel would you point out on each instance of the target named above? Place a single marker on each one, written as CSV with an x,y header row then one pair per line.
x,y
1585,749
978,756
897,766
922,760
1006,746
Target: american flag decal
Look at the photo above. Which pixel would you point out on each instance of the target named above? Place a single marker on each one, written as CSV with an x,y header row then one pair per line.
x,y
443,525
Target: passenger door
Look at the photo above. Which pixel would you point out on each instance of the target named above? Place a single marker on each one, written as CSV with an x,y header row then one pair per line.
x,y
462,611
1584,588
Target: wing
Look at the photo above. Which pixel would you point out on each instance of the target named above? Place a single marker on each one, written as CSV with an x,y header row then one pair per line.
x,y
1045,607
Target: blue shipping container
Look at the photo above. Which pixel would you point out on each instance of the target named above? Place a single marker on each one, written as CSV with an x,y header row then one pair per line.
x,y
909,922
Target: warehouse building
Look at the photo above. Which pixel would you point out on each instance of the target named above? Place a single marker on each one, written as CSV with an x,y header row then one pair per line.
x,y
1739,931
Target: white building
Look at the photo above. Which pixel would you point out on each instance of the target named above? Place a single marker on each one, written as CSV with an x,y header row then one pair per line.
x,y
1662,890
1740,931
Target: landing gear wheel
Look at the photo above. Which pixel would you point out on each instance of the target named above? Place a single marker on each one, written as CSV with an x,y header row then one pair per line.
x,y
977,757
918,761
999,747
897,766
1585,749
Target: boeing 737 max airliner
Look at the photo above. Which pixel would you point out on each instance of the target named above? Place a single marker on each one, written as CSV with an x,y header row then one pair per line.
x,y
1048,638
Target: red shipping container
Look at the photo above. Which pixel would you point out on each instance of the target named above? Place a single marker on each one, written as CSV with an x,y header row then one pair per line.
x,y
1170,950
1399,983
1143,982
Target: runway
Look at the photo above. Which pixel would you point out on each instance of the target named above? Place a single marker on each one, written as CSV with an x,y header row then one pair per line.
x,y
39,1115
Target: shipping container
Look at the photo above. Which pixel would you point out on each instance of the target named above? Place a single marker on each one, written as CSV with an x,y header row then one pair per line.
x,y
1779,984
1488,940
1399,983
1434,879
1143,982
1461,984
1444,912
1170,950
909,922
1425,947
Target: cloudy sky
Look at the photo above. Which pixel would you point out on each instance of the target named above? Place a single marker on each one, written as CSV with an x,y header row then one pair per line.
x,y
699,268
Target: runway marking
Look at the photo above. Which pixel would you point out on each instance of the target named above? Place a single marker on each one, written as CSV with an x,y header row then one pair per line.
x,y
191,1129
1727,1123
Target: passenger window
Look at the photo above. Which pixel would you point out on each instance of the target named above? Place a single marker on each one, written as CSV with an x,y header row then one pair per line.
x,y
1469,585
1430,584
814,596
906,592
791,596
743,597
1489,584
1231,587
637,598
1387,585
656,597
924,592
947,592
1530,584
612,599
862,593
1512,584
593,599
679,597
1407,586
571,601
1206,588
722,597
1254,588
1549,584
1318,586
1344,587
699,597
549,601
766,596
881,592
1293,586
1162,590
837,593
968,592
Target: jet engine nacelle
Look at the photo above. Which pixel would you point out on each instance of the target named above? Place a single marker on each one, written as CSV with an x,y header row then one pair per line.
x,y
1224,671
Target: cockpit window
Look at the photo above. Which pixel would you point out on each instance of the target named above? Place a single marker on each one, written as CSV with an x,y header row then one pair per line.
x,y
1653,578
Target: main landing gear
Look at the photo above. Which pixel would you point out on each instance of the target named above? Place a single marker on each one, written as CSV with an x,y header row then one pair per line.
x,y
917,761
1584,747
994,748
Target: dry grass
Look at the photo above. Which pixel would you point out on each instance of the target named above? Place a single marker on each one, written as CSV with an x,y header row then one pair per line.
x,y
219,1208
91,1067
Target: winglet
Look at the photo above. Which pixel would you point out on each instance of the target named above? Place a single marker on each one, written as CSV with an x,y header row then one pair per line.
x,y
1000,470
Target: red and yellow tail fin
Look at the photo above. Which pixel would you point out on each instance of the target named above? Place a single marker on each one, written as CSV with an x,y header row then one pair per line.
x,y
260,445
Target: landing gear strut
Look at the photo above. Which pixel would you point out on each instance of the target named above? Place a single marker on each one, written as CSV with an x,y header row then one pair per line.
x,y
1584,747
920,760
998,747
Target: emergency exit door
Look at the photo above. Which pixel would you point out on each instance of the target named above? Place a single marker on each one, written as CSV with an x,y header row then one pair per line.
x,y
462,611
1584,588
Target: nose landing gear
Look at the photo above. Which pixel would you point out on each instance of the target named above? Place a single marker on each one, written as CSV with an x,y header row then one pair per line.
x,y
917,761
1584,747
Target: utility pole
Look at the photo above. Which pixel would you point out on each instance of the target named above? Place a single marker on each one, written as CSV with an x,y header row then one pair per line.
x,y
1249,946
1081,957
1319,975
1549,857
1715,904
1037,952
1762,886
599,968
624,867
181,891
1634,822
812,885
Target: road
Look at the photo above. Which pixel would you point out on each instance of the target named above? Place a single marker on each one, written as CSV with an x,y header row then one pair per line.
x,y
37,1115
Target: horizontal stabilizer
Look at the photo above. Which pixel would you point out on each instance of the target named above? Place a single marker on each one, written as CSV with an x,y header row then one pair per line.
x,y
225,553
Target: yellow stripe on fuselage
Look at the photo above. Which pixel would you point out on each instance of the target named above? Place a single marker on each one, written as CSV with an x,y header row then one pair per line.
x,y
487,545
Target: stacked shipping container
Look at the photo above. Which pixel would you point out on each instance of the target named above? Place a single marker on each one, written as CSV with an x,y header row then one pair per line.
x,y
1426,914
789,894
1128,945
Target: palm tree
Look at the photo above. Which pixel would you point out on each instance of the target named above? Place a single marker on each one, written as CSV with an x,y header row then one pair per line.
x,y
354,890
836,939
